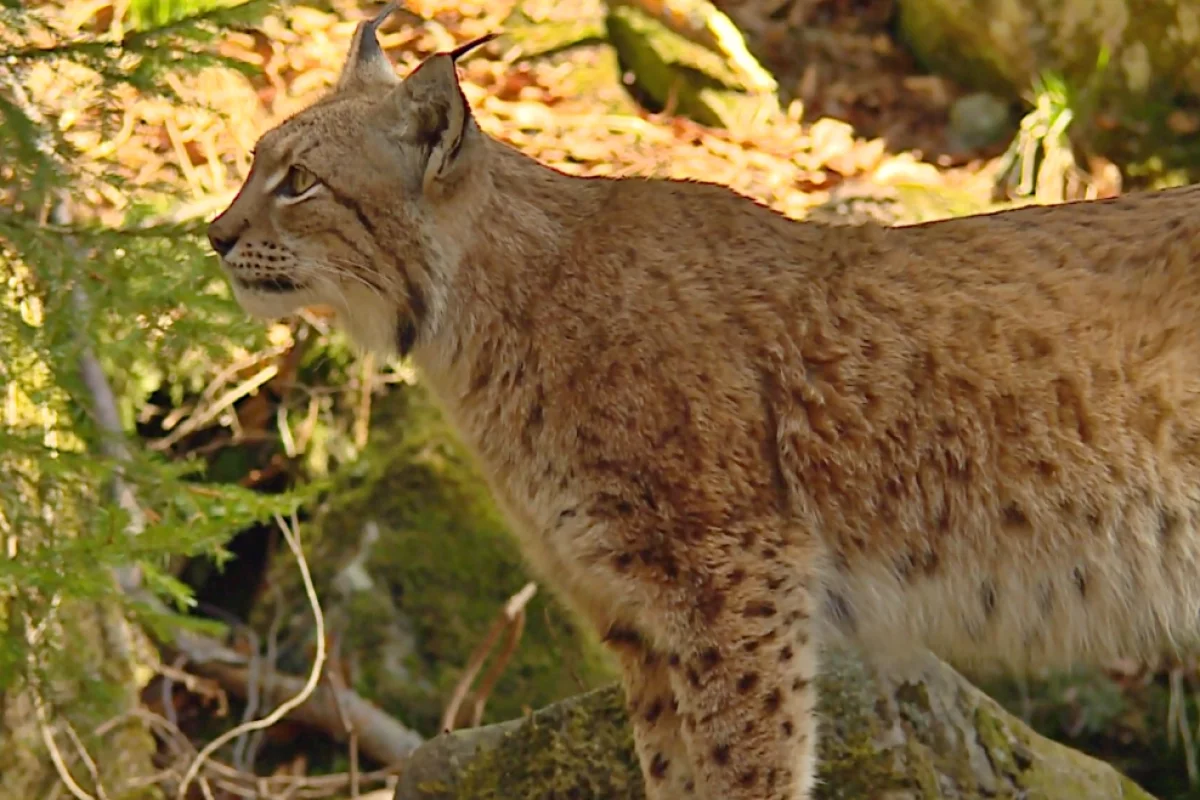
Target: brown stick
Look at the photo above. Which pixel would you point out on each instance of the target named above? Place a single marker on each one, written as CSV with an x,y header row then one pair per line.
x,y
380,736
507,617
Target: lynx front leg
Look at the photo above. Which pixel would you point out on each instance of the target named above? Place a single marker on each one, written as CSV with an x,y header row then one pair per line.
x,y
654,715
747,697
719,658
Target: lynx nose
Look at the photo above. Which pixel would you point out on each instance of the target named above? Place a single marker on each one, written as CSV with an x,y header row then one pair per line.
x,y
222,244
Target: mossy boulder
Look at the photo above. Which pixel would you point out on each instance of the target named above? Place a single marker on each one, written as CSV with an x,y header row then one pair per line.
x,y
672,72
413,562
1147,48
927,735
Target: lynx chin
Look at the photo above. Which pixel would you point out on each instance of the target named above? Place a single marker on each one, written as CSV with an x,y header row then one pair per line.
x,y
727,437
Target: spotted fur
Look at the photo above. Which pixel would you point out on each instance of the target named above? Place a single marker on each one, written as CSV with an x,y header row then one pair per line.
x,y
726,436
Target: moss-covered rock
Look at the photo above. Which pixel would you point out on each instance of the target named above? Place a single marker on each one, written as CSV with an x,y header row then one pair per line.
x,y
1149,47
413,562
670,71
929,735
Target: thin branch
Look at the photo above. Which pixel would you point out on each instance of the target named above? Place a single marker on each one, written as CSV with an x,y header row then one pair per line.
x,y
60,766
380,736
362,414
497,668
337,685
86,757
507,617
223,402
291,535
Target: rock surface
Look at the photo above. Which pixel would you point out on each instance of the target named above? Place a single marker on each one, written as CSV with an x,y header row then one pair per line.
x,y
931,735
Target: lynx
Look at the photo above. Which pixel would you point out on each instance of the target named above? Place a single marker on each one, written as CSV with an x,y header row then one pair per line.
x,y
728,437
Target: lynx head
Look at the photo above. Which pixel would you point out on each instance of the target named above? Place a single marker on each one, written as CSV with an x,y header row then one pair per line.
x,y
350,203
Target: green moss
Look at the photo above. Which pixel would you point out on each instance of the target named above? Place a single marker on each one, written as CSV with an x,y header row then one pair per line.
x,y
994,740
849,743
579,749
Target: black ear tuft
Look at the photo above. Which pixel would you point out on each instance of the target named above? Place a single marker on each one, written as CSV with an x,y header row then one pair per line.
x,y
366,64
463,49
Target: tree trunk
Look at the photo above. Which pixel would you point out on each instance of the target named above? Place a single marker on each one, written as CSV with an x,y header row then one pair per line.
x,y
108,648
931,735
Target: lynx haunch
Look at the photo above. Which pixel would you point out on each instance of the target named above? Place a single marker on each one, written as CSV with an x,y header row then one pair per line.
x,y
726,436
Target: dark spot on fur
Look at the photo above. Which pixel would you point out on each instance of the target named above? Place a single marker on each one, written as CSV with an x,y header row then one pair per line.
x,y
710,658
736,577
673,660
406,337
1080,582
658,766
654,711
988,594
623,561
481,375
1014,517
786,653
840,612
776,582
798,684
747,682
750,646
711,606
690,786
774,701
748,778
720,754
748,728
534,422
621,636
1169,524
759,609
788,728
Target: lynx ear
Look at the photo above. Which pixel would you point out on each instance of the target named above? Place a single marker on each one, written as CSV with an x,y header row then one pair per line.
x,y
367,67
431,111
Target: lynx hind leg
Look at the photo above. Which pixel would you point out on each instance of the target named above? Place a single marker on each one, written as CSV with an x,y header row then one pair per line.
x,y
748,697
654,715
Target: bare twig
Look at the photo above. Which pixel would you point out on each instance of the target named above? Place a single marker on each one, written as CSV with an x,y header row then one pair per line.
x,y
290,534
362,416
180,750
380,736
56,757
507,617
337,685
497,668
218,382
211,411
87,760
272,658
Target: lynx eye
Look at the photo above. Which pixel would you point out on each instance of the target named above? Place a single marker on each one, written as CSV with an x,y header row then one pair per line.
x,y
297,181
